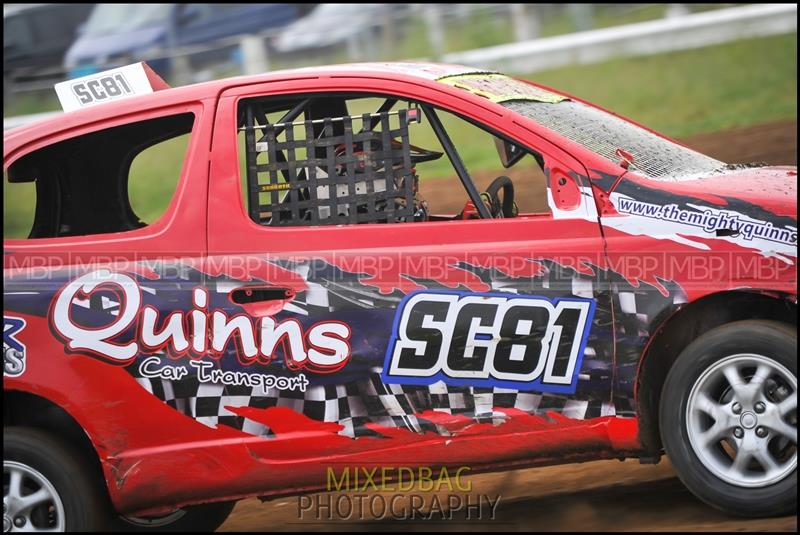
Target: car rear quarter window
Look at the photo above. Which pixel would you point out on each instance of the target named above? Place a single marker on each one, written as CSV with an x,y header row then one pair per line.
x,y
153,177
113,180
19,208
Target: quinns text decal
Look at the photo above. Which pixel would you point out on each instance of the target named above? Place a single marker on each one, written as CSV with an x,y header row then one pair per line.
x,y
322,348
493,340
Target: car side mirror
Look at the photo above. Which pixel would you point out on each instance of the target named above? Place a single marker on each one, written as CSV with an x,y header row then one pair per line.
x,y
510,153
625,158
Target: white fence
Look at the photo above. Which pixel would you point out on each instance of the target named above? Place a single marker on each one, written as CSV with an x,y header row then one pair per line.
x,y
663,35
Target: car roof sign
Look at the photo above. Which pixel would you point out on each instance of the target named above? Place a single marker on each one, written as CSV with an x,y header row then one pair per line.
x,y
107,86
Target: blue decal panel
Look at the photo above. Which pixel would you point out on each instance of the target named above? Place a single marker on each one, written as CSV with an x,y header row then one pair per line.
x,y
14,351
157,310
521,342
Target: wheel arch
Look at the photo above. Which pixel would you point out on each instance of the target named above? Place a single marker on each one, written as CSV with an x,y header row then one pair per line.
x,y
26,409
683,327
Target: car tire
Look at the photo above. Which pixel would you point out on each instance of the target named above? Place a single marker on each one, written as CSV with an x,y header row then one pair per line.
x,y
36,463
203,518
726,419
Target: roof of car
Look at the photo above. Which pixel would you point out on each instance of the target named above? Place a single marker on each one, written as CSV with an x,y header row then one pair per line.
x,y
392,70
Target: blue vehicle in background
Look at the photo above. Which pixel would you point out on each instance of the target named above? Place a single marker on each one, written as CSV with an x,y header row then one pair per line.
x,y
35,37
119,34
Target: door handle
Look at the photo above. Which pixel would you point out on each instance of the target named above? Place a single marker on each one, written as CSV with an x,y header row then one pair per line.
x,y
255,294
261,300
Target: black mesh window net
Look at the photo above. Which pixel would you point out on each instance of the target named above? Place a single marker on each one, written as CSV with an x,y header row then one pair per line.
x,y
330,171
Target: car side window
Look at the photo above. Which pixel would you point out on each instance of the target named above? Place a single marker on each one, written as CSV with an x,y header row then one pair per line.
x,y
113,180
480,151
351,158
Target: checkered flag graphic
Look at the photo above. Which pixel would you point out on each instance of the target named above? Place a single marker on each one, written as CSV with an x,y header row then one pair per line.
x,y
369,402
638,309
358,403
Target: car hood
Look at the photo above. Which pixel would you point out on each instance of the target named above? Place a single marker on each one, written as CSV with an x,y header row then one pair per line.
x,y
753,208
770,189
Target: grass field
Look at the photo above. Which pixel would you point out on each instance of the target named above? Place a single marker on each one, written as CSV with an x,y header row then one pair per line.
x,y
680,94
693,91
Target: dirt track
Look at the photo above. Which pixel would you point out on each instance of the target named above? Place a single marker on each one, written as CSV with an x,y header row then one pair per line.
x,y
597,496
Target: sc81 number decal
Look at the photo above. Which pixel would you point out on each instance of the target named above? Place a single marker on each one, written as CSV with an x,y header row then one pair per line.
x,y
501,340
102,89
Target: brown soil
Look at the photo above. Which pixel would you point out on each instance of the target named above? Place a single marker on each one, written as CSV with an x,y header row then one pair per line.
x,y
773,143
596,496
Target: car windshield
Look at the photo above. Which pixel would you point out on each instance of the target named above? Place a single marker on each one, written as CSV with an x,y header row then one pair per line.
x,y
604,133
116,18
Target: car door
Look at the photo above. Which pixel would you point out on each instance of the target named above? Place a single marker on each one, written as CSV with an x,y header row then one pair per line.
x,y
115,231
398,328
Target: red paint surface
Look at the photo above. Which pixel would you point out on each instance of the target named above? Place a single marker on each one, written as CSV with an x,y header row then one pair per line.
x,y
152,455
155,458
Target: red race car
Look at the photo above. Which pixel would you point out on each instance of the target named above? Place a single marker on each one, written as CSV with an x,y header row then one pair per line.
x,y
336,280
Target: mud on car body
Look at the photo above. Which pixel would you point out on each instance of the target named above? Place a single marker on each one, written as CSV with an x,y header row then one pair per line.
x,y
302,301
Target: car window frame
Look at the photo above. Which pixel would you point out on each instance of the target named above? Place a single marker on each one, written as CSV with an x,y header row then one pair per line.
x,y
232,231
246,93
170,221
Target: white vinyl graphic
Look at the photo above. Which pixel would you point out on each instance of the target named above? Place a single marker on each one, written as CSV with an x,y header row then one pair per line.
x,y
324,347
682,224
494,340
101,87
